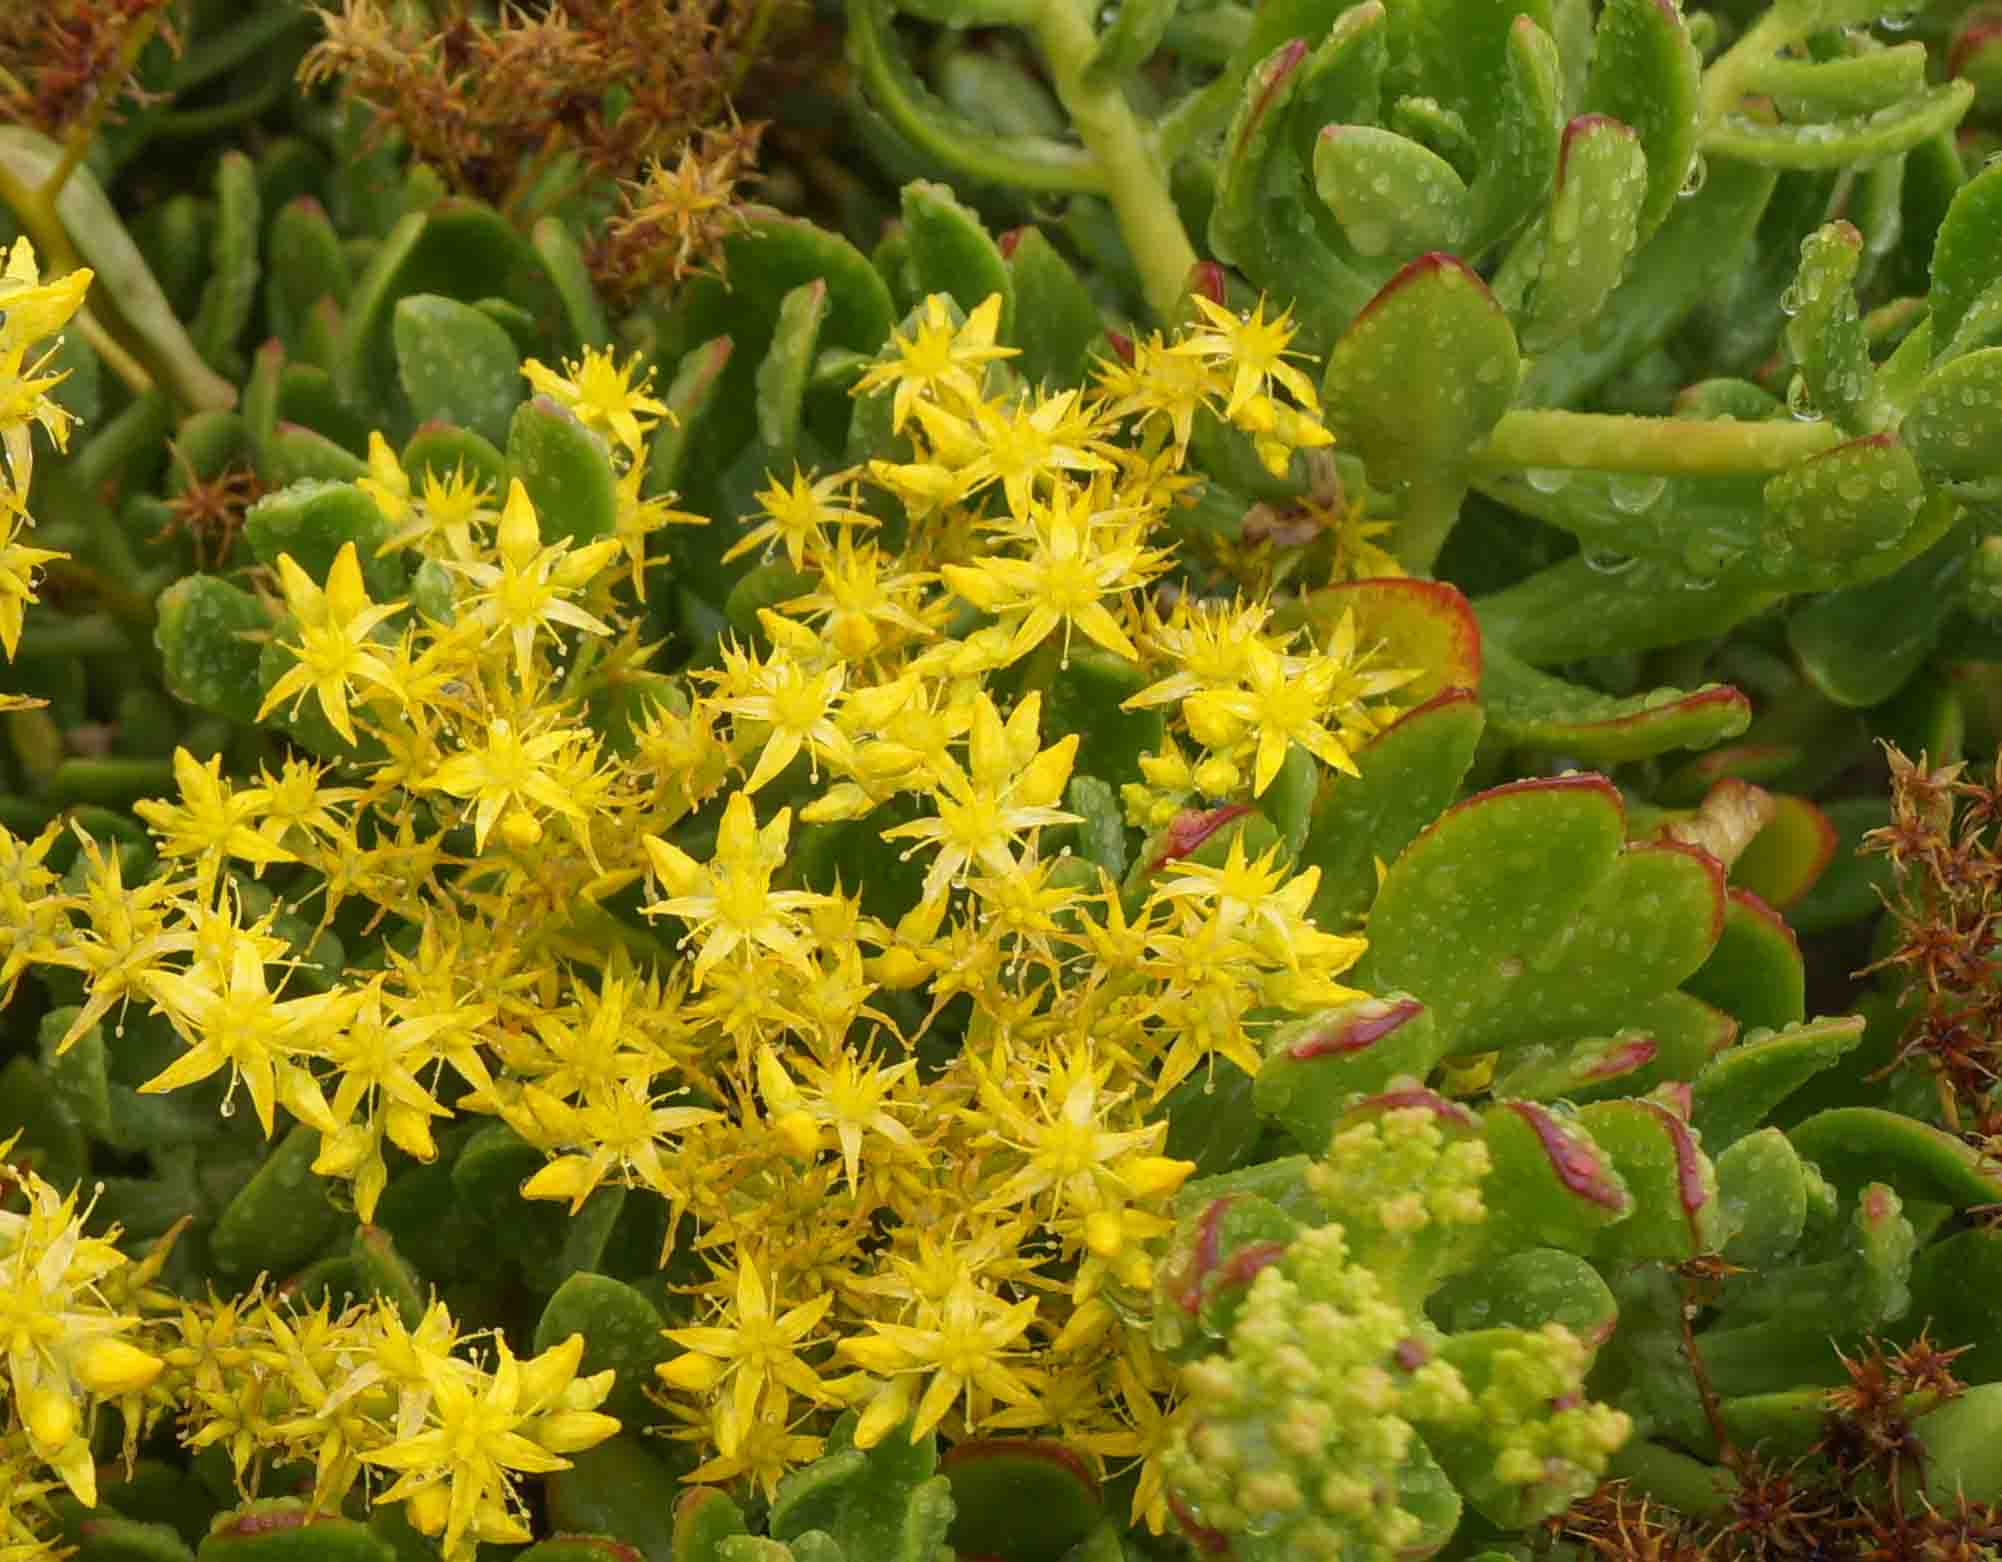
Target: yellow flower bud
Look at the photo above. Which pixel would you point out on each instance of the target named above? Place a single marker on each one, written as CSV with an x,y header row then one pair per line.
x,y
798,1132
840,802
1151,1176
521,830
897,969
692,1371
1216,777
50,1417
571,1178
572,1431
112,1367
1210,724
429,1509
1104,1232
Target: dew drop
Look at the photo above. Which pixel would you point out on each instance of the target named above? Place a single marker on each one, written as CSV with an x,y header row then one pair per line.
x,y
1790,300
1633,492
1800,403
228,1107
1897,21
1855,487
1693,180
1605,561
1546,479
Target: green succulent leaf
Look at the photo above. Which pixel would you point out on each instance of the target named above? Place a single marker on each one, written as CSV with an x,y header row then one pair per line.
x,y
1263,220
1858,1143
1522,916
209,637
567,471
1742,1086
1954,423
1588,232
280,1218
455,365
1418,378
1963,255
233,264
1645,73
1056,322
1825,335
1536,710
1031,1499
1755,973
886,1501
1391,196
1762,1198
1859,646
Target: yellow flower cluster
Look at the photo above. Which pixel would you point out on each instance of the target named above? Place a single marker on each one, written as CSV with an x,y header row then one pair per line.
x,y
31,311
921,1159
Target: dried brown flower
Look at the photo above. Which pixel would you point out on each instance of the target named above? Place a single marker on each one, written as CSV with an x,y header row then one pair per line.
x,y
525,111
64,60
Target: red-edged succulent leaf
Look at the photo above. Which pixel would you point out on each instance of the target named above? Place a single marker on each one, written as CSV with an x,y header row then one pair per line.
x,y
1522,916
1787,856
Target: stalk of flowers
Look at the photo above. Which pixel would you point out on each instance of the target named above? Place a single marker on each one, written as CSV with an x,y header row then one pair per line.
x,y
915,1155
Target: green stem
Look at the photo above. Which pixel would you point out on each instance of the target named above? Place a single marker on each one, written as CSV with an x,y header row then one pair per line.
x,y
1136,182
1725,82
1676,447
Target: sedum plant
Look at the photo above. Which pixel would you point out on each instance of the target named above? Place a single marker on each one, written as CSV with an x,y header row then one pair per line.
x,y
726,877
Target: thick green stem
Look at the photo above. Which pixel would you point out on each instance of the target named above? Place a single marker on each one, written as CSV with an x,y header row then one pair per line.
x,y
1724,83
1135,181
1672,447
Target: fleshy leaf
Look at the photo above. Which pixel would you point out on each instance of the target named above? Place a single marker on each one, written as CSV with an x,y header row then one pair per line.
x,y
1825,335
566,470
1314,1066
1056,321
1762,1197
1955,423
1589,231
1536,710
455,364
1853,1144
1520,916
280,1218
1526,1290
1964,251
1261,221
886,1502
620,1488
621,1330
1390,195
1645,73
1408,773
1741,1086
1028,1499
1420,624
1837,143
1838,509
1674,1186
1563,1189
1858,646
1419,377
952,252
1786,857
1755,972
783,376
